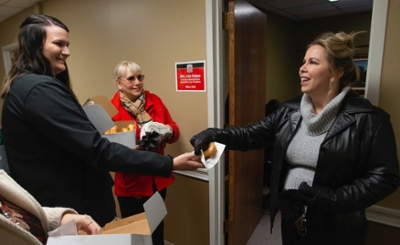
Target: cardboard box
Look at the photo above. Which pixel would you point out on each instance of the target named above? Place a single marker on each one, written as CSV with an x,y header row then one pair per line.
x,y
134,230
99,110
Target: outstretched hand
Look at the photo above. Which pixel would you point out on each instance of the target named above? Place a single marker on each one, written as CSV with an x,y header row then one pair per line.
x,y
83,223
187,161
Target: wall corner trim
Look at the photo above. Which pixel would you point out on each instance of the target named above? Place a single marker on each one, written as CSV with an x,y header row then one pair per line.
x,y
382,215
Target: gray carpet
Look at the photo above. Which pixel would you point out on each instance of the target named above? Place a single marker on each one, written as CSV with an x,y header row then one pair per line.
x,y
262,234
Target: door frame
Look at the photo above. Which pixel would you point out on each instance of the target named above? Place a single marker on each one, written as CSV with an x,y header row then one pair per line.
x,y
216,93
215,105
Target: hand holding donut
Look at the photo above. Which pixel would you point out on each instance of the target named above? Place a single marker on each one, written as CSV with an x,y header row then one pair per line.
x,y
203,139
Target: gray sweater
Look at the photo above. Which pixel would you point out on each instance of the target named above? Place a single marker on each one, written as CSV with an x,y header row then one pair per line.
x,y
302,153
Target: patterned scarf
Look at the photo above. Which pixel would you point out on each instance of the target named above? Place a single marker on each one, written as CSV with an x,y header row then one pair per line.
x,y
136,108
23,219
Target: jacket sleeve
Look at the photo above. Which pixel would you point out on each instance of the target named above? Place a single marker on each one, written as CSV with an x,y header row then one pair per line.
x,y
251,136
54,216
164,117
379,178
52,109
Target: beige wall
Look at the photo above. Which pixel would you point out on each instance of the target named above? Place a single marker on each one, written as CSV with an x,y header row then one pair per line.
x,y
142,31
155,34
286,43
282,79
390,83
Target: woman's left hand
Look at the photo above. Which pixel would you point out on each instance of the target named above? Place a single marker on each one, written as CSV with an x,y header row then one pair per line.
x,y
83,223
169,134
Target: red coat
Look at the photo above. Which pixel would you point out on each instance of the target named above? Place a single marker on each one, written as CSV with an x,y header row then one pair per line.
x,y
141,185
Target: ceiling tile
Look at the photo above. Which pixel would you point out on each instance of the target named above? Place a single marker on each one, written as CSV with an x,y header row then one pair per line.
x,y
21,3
287,4
9,11
321,14
311,9
352,3
266,6
287,15
356,10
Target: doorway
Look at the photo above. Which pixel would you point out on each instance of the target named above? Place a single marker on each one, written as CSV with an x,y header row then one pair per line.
x,y
217,92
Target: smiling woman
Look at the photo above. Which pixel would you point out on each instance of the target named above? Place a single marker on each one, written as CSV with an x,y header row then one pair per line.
x,y
328,142
55,48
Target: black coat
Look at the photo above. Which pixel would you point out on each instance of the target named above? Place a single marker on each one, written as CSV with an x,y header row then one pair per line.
x,y
357,166
57,155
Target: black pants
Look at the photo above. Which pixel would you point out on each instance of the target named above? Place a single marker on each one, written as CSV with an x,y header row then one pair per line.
x,y
130,206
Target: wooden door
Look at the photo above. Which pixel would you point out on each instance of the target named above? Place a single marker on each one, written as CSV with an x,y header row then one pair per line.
x,y
247,78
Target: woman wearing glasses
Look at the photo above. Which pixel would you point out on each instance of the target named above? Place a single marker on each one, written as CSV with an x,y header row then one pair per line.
x,y
145,108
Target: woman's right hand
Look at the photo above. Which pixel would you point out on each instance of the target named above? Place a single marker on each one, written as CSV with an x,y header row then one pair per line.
x,y
187,161
203,138
83,223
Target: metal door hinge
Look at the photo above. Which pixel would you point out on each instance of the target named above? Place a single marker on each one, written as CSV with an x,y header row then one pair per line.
x,y
228,21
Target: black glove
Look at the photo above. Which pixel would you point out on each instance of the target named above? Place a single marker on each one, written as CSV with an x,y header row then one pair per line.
x,y
310,195
203,139
291,203
149,141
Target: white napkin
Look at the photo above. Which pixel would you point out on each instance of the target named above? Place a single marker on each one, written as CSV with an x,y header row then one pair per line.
x,y
151,127
210,162
68,229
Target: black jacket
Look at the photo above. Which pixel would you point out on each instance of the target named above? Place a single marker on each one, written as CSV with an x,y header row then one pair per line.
x,y
357,165
57,155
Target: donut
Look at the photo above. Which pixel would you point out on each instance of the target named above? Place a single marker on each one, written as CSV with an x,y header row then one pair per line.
x,y
131,127
209,150
112,130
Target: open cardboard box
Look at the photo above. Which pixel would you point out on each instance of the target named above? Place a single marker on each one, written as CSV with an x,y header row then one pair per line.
x,y
99,110
134,230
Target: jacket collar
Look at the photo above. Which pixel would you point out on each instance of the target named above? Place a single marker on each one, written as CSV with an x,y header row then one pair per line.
x,y
352,104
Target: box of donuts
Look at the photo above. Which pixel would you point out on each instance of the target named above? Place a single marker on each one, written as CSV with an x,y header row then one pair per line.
x,y
99,110
133,230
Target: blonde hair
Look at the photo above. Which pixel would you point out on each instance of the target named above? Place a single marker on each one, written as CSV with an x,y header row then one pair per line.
x,y
123,66
340,51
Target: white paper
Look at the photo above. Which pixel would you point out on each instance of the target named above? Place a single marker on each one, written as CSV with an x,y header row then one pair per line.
x,y
155,210
210,162
68,229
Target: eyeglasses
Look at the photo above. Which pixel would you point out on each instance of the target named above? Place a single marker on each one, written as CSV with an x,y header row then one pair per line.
x,y
131,79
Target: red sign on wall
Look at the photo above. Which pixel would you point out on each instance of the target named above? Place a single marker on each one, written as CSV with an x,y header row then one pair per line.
x,y
190,76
